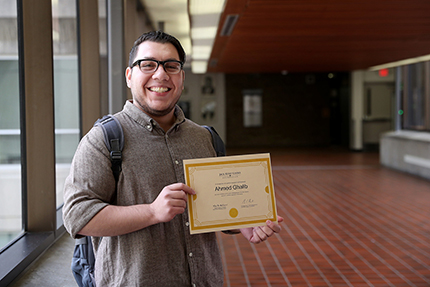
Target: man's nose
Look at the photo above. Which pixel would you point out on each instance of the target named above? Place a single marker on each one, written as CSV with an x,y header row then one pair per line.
x,y
160,74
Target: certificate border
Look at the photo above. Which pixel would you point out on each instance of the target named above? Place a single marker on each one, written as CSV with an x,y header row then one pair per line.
x,y
225,226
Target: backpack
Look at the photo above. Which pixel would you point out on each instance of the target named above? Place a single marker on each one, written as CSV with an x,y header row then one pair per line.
x,y
83,259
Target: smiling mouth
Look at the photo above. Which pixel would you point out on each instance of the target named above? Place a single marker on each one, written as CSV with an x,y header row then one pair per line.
x,y
159,89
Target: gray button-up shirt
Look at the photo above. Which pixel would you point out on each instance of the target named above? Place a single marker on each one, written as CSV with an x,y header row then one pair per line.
x,y
164,254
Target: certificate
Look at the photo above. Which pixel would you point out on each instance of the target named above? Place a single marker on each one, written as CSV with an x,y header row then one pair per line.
x,y
231,192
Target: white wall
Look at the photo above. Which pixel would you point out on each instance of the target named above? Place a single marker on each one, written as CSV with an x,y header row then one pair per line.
x,y
367,129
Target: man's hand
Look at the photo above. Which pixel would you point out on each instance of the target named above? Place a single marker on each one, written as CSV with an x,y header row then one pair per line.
x,y
171,201
115,220
261,233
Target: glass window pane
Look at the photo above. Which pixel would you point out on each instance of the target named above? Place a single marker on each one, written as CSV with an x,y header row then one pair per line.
x,y
10,141
414,93
103,56
66,88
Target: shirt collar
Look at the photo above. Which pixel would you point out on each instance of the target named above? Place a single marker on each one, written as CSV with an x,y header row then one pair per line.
x,y
145,120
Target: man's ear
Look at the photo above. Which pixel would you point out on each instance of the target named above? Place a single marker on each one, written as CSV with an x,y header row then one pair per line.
x,y
128,73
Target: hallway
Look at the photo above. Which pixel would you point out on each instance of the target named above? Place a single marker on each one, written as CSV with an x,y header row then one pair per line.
x,y
348,222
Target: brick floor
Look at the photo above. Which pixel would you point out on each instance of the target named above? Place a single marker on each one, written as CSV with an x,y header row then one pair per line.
x,y
347,222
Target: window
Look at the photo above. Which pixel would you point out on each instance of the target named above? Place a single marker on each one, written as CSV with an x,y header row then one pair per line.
x,y
66,88
10,142
416,96
103,48
43,86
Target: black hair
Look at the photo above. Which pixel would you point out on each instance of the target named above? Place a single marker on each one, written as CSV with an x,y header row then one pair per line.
x,y
158,37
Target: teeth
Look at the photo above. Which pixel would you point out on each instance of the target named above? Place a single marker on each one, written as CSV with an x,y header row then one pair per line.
x,y
158,89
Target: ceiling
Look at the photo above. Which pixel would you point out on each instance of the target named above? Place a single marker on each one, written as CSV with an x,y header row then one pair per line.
x,y
314,35
173,16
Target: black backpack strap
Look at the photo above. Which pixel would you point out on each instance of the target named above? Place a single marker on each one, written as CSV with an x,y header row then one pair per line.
x,y
114,140
216,141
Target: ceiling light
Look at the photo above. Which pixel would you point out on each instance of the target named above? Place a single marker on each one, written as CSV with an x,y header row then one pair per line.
x,y
199,67
174,15
198,7
203,32
201,52
204,18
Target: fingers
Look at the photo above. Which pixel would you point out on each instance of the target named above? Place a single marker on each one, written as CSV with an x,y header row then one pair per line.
x,y
179,202
171,201
274,228
181,187
261,233
175,195
178,191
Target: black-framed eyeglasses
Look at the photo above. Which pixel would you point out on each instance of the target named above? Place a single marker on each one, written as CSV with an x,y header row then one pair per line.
x,y
148,66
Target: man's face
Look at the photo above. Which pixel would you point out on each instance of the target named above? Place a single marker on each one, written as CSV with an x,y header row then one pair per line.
x,y
157,93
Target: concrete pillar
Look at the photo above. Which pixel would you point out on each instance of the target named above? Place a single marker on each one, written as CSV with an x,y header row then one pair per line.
x,y
37,98
89,63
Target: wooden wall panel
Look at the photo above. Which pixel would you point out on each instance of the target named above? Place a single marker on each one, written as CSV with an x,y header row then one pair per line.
x,y
312,35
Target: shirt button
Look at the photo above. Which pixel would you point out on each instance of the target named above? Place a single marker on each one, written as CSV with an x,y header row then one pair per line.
x,y
191,254
187,224
177,162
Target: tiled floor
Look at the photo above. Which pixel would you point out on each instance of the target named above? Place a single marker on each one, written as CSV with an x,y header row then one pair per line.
x,y
348,222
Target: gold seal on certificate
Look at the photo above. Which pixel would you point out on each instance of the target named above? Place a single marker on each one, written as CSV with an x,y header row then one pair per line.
x,y
231,192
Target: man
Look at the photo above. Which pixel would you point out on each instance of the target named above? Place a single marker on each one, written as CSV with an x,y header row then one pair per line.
x,y
139,226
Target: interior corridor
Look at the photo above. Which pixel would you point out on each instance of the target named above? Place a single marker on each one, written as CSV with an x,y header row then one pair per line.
x,y
348,222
